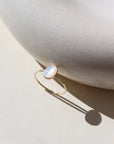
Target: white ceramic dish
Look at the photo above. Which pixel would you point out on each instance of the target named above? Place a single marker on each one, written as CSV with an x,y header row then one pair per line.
x,y
77,35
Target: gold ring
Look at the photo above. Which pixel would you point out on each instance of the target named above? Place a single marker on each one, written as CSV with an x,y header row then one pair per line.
x,y
53,77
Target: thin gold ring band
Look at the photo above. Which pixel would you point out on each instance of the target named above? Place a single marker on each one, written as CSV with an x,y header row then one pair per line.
x,y
47,89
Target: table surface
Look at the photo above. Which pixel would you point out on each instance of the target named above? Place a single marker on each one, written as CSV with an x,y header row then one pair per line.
x,y
30,115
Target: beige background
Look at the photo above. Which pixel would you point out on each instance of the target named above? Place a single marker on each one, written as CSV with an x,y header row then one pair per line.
x,y
30,115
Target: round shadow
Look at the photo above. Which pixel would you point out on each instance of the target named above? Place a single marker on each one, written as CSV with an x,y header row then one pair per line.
x,y
93,117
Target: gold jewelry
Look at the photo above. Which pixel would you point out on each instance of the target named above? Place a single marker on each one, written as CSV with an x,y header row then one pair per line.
x,y
49,73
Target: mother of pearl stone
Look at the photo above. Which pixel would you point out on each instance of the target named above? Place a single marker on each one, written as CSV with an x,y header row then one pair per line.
x,y
50,72
77,35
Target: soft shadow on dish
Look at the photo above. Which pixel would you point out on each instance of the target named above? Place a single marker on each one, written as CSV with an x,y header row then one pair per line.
x,y
100,100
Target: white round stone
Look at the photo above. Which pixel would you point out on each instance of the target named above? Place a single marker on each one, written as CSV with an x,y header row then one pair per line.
x,y
50,72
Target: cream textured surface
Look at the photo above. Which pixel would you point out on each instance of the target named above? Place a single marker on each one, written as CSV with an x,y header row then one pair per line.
x,y
30,115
